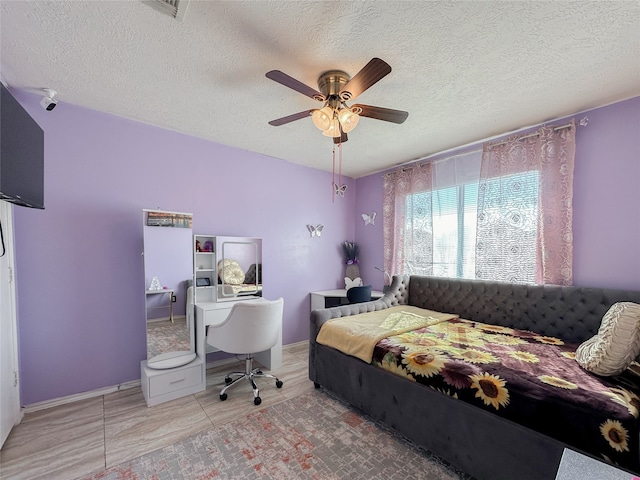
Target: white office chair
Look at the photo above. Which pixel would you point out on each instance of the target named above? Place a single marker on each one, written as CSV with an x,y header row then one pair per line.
x,y
250,327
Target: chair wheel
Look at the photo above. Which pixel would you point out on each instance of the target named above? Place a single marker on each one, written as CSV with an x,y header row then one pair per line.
x,y
279,384
223,396
227,380
257,401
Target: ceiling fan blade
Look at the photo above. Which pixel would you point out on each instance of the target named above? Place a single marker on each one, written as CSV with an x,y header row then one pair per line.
x,y
290,118
379,113
371,73
287,81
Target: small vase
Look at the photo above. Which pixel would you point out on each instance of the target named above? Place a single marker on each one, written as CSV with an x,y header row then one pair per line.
x,y
352,271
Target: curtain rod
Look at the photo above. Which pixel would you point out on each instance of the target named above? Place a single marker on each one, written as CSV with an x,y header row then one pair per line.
x,y
420,164
583,122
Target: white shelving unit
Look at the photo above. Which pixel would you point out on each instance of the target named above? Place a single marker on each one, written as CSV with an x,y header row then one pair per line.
x,y
205,275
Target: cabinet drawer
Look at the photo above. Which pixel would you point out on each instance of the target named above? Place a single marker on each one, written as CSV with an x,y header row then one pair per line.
x,y
177,380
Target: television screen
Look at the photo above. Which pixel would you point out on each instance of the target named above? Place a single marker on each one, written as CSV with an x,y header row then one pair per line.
x,y
21,154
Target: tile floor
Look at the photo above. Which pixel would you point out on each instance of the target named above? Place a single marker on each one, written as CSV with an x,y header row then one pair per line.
x,y
83,438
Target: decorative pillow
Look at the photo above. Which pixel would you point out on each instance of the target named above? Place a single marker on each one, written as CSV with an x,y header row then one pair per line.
x,y
230,272
250,276
617,343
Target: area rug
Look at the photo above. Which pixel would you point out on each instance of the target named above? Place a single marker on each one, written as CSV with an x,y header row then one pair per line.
x,y
314,436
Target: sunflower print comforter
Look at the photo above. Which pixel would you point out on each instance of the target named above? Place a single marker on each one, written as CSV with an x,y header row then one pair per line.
x,y
525,377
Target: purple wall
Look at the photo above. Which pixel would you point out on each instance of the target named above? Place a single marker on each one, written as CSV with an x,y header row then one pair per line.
x,y
79,270
606,202
369,200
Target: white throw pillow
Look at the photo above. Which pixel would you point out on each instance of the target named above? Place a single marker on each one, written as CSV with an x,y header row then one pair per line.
x,y
617,343
230,272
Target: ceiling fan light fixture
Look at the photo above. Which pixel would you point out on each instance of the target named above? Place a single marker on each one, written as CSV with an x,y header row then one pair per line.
x,y
333,130
322,118
348,119
335,88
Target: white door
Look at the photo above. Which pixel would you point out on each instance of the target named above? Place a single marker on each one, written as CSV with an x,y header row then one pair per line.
x,y
9,387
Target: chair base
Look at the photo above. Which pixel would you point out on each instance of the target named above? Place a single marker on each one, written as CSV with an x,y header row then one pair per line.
x,y
249,373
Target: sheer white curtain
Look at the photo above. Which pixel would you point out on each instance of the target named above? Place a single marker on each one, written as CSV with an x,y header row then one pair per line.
x,y
429,217
524,206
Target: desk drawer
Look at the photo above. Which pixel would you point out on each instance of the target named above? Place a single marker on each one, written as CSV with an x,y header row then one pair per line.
x,y
217,316
170,382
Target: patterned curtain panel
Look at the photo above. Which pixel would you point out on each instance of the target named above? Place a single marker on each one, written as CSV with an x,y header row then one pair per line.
x,y
524,206
407,221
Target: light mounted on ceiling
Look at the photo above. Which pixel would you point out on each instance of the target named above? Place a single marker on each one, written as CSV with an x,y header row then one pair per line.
x,y
322,118
335,88
330,119
349,118
335,119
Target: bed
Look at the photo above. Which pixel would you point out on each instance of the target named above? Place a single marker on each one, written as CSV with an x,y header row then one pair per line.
x,y
493,387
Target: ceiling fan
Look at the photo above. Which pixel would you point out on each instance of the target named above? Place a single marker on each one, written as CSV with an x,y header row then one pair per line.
x,y
335,87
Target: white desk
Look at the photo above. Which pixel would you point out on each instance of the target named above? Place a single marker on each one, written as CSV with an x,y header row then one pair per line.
x,y
334,298
212,313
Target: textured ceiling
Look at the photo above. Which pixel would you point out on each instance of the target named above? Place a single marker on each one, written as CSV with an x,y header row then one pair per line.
x,y
463,70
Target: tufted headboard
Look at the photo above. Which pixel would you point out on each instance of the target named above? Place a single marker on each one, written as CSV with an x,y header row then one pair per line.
x,y
570,313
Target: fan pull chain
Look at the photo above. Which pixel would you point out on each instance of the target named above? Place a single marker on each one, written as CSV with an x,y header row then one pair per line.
x,y
333,176
338,188
340,175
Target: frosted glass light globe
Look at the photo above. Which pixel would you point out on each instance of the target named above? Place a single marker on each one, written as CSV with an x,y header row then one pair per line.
x,y
348,119
322,118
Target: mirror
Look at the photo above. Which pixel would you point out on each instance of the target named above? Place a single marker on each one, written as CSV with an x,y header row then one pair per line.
x,y
239,267
168,267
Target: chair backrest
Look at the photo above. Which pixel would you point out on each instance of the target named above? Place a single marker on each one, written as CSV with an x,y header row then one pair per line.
x,y
359,294
250,327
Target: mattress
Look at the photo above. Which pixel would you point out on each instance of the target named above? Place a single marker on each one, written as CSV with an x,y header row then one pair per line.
x,y
528,378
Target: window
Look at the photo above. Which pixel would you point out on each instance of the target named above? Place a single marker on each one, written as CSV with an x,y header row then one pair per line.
x,y
503,213
451,230
511,202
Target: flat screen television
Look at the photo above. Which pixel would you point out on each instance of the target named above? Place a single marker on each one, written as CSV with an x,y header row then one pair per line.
x,y
21,154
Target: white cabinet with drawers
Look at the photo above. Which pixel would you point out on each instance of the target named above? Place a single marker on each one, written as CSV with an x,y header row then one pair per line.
x,y
163,385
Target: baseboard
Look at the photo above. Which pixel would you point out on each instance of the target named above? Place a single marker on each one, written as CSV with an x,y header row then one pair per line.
x,y
34,407
176,318
56,402
295,344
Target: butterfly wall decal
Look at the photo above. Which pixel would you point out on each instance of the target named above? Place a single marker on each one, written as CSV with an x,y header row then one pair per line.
x,y
369,219
315,230
339,189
